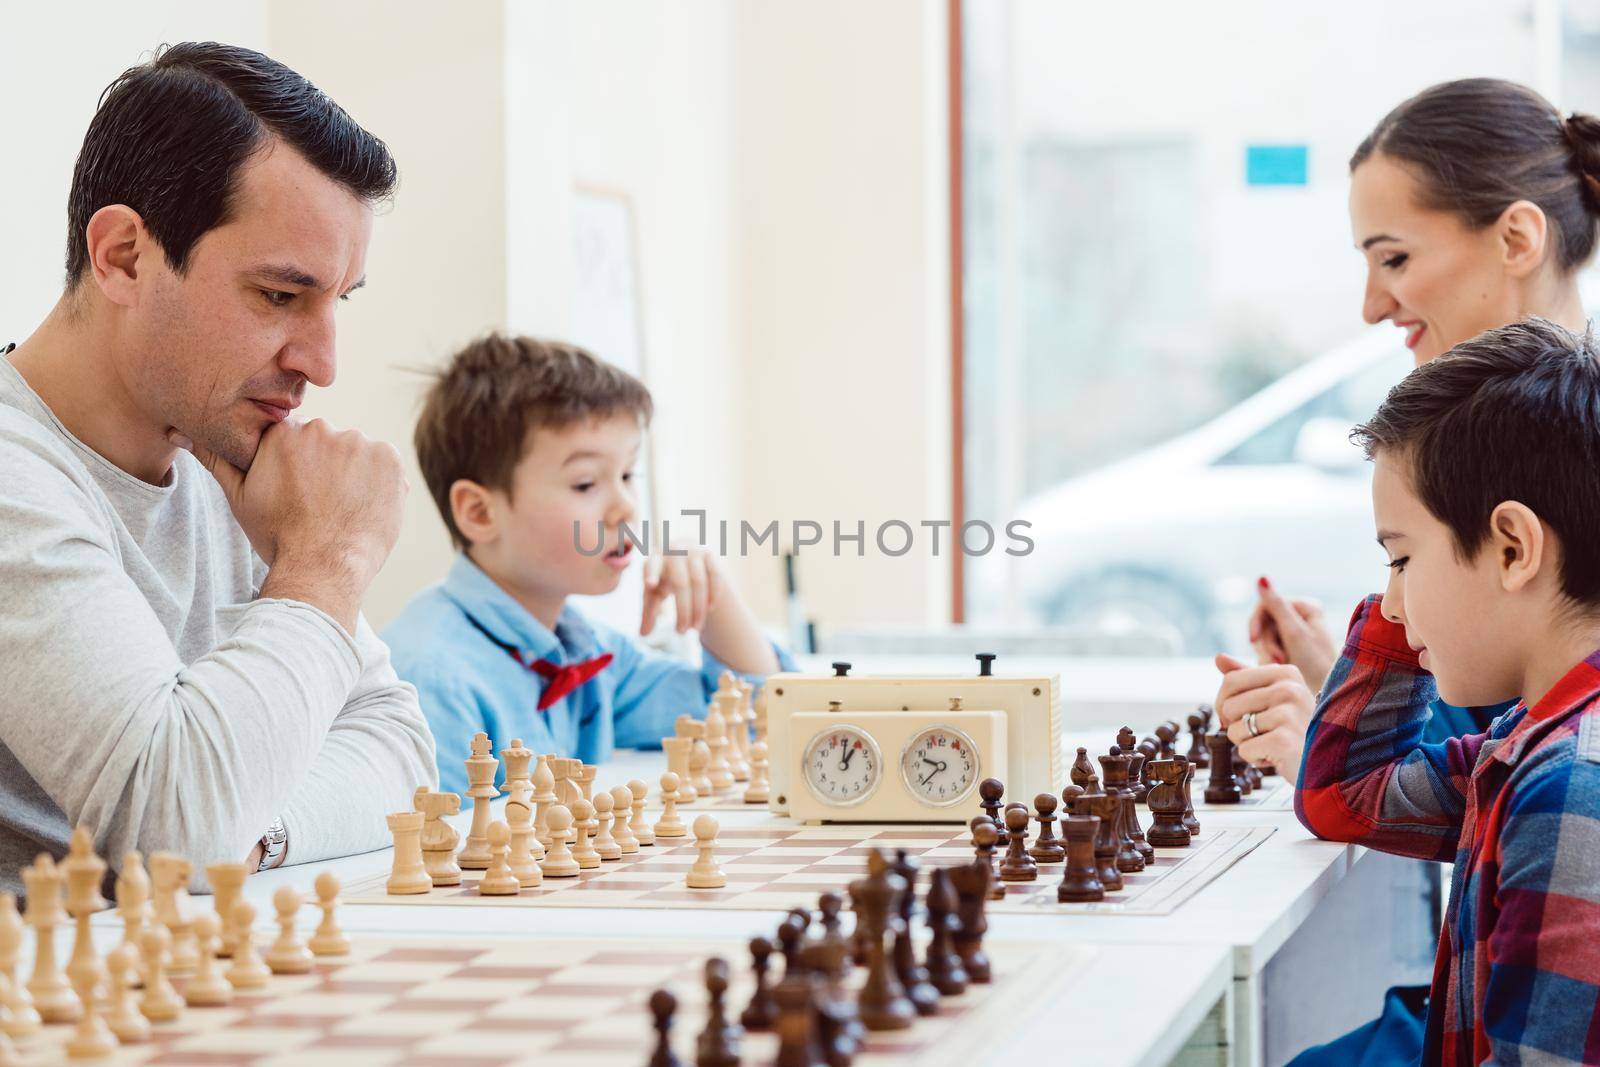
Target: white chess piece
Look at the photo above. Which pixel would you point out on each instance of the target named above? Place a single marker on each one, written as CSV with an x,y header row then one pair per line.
x,y
248,970
669,825
621,806
123,1016
705,874
583,849
558,861
605,843
640,825
499,880
208,988
288,954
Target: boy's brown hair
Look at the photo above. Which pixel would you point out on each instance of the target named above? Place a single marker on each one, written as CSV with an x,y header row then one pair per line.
x,y
483,406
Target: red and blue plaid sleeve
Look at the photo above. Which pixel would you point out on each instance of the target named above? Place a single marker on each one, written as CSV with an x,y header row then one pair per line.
x,y
1367,777
1541,1000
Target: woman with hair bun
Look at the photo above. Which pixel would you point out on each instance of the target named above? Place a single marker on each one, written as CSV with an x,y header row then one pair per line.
x,y
1474,204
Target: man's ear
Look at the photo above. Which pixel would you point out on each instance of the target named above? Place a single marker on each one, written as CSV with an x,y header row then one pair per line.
x,y
117,240
1517,539
1524,237
472,507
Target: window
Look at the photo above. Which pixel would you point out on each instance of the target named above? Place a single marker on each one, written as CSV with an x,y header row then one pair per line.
x,y
1159,287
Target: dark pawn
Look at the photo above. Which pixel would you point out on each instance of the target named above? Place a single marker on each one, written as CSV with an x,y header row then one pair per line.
x,y
1254,774
971,881
943,962
983,841
830,904
1115,766
1167,737
1131,815
1126,739
882,1001
662,1005
1190,823
1017,866
1198,754
762,1011
990,790
797,1036
791,933
1079,882
1046,849
1107,843
1071,799
1223,787
1148,751
1082,770
1166,804
838,1027
719,1041
1241,771
913,976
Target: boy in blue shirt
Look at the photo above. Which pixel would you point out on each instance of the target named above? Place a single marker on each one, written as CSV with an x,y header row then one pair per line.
x,y
528,449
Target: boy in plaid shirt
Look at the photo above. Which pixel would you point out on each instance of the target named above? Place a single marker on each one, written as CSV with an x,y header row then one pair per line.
x,y
1487,503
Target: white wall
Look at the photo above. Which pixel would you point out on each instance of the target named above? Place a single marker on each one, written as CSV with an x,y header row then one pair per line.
x,y
787,180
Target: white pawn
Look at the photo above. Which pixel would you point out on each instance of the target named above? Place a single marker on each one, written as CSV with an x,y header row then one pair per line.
x,y
524,861
621,803
499,880
248,971
208,988
288,954
160,1002
757,791
20,1018
329,940
640,826
669,825
705,874
93,1039
604,842
583,849
123,1016
558,861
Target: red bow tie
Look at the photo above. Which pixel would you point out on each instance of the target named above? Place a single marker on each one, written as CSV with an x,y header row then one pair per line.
x,y
559,681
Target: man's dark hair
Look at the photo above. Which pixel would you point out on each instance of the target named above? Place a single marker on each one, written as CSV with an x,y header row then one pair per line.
x,y
481,410
170,136
1513,414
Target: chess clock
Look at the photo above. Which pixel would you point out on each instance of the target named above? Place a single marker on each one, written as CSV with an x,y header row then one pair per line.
x,y
859,748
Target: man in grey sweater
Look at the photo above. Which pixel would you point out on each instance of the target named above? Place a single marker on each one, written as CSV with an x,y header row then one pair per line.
x,y
182,562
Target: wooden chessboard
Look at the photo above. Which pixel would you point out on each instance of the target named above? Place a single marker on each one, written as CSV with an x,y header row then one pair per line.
x,y
554,1003
775,868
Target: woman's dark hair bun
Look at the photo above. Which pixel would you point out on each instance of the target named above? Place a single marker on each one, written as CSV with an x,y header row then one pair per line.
x,y
1582,132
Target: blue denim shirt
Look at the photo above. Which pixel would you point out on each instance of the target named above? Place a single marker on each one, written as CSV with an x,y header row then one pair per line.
x,y
453,643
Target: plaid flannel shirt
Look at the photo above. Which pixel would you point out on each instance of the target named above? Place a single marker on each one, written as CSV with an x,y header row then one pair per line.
x,y
1517,976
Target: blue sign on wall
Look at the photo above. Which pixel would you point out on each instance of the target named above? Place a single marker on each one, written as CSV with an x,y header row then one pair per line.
x,y
1275,164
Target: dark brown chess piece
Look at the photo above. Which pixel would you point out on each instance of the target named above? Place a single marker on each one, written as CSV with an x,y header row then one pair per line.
x,y
1131,820
662,1006
1114,765
882,1002
719,1041
971,881
1079,883
1046,849
791,935
1072,800
983,842
762,1011
1126,740
1166,804
1199,756
990,792
1082,770
1254,774
830,904
1107,842
1223,786
1017,866
1167,737
1190,823
913,975
797,1034
942,961
1241,771
838,1028
1148,750
1268,770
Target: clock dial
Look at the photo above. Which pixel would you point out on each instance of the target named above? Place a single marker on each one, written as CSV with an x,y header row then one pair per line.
x,y
842,766
940,765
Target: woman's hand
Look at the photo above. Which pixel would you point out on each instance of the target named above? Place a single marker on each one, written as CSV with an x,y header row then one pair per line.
x,y
1293,632
1265,711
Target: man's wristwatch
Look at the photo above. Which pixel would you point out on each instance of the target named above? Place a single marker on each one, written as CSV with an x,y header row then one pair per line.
x,y
273,845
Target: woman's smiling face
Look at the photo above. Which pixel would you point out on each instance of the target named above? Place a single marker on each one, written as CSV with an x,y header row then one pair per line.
x,y
1428,272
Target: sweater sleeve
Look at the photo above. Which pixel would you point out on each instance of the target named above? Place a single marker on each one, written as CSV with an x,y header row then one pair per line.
x,y
146,750
1367,776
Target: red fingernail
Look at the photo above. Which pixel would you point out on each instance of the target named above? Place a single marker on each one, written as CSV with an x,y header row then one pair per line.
x,y
1278,659
1263,583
